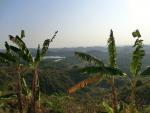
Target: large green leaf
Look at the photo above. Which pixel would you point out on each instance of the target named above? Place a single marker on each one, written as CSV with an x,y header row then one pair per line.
x,y
138,42
3,61
112,50
89,58
38,56
9,51
90,69
20,54
7,57
15,50
136,34
18,41
46,44
138,55
104,71
7,47
45,47
22,46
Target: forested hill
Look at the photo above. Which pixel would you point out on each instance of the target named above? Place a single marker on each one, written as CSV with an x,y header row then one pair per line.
x,y
68,52
123,54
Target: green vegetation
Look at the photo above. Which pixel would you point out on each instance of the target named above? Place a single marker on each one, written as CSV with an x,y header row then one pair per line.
x,y
101,70
31,84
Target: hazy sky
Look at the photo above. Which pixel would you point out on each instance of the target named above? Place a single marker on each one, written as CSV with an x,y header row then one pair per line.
x,y
79,22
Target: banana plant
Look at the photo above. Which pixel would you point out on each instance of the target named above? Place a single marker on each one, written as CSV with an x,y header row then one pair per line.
x,y
33,62
136,63
10,56
35,102
112,63
101,70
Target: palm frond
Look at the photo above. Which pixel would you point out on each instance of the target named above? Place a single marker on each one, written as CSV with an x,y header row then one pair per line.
x,y
138,54
89,58
46,44
84,83
112,50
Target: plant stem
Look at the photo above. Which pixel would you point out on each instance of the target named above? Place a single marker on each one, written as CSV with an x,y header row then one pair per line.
x,y
114,96
35,87
19,92
133,88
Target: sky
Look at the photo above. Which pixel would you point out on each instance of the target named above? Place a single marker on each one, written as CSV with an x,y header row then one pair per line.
x,y
79,22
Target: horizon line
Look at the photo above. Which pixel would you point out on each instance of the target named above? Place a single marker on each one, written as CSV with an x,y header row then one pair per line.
x,y
83,47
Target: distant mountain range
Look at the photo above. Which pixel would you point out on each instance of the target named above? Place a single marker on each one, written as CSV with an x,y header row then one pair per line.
x,y
124,54
67,52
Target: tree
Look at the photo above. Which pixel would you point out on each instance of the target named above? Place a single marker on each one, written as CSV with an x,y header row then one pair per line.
x,y
100,70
